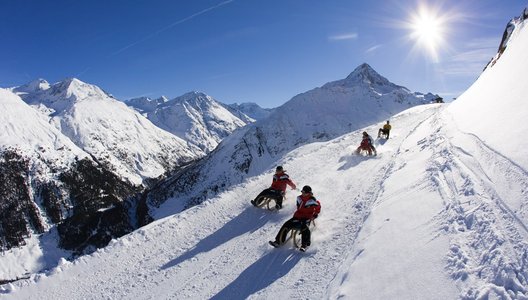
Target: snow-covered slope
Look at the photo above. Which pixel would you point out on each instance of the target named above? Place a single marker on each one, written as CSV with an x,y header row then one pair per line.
x,y
363,98
22,127
108,129
195,117
491,109
416,222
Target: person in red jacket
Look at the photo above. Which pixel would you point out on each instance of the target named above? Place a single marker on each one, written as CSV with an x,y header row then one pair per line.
x,y
366,144
308,208
278,188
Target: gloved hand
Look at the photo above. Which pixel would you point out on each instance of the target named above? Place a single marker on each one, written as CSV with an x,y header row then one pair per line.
x,y
315,216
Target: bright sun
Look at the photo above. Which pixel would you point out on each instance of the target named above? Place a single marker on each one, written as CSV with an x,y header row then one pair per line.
x,y
428,31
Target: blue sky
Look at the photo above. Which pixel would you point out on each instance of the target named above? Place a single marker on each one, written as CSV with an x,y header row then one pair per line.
x,y
244,50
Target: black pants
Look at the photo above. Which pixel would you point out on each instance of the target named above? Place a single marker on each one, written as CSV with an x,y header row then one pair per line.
x,y
384,131
269,193
297,224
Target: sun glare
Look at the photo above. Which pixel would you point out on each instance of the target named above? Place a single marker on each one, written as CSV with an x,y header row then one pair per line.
x,y
428,31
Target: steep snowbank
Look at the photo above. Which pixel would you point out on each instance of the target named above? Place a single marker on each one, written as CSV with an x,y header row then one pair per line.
x,y
495,106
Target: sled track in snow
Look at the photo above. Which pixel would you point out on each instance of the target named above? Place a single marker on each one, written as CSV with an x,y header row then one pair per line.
x,y
373,193
486,233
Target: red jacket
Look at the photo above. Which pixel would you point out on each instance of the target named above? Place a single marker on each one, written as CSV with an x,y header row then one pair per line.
x,y
307,207
366,142
280,181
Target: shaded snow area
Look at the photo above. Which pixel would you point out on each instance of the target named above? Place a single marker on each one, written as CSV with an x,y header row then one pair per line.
x,y
422,220
40,253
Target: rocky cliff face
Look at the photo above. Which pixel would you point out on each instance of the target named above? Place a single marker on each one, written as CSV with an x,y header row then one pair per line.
x,y
102,207
87,203
19,214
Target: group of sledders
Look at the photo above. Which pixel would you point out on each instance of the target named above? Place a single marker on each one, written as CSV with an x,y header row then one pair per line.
x,y
308,207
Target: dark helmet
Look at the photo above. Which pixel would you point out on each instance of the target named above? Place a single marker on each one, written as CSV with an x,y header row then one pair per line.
x,y
365,133
387,121
279,169
306,189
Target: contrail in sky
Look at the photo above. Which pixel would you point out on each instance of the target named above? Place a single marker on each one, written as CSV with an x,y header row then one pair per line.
x,y
172,25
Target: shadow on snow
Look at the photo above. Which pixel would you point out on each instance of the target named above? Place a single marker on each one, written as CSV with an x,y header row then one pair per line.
x,y
352,160
262,273
249,220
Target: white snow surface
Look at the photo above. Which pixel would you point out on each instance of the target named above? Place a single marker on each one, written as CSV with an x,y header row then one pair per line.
x,y
23,128
108,129
194,117
490,108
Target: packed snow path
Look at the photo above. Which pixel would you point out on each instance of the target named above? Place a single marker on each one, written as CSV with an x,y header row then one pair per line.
x,y
436,215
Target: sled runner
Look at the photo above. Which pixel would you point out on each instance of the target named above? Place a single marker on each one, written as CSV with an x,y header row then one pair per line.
x,y
293,234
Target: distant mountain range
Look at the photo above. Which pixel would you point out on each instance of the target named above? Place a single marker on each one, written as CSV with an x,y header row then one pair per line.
x,y
195,117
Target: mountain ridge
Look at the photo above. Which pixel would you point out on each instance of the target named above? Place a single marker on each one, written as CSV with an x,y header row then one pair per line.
x,y
194,117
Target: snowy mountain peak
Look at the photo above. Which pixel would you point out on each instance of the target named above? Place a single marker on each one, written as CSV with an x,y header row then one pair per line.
x,y
195,117
367,75
74,89
33,86
251,110
196,97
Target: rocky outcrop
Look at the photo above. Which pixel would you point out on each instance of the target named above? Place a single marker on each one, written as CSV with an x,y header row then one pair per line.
x,y
19,214
89,204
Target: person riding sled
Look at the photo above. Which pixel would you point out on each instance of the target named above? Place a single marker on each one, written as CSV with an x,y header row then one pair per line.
x,y
366,144
277,189
385,130
308,208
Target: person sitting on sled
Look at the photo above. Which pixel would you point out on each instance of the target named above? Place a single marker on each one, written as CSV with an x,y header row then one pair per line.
x,y
308,208
385,130
366,144
277,189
